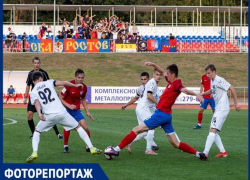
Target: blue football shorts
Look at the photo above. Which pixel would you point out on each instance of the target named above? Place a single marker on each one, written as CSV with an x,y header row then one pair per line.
x,y
162,119
206,102
76,114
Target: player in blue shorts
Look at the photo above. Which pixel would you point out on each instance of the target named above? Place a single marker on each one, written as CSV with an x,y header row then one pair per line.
x,y
208,99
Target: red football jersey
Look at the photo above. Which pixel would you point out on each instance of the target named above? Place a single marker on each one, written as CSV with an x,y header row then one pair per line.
x,y
73,95
169,96
206,82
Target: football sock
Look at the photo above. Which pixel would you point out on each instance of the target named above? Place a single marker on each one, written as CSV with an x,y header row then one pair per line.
x,y
31,125
150,137
219,144
35,141
117,149
209,142
140,136
186,148
200,116
56,130
88,133
66,136
65,146
84,137
127,139
154,144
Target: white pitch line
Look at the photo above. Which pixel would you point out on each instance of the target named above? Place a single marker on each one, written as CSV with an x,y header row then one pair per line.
x,y
13,121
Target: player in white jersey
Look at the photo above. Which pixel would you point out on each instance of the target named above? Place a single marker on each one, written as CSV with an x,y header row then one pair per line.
x,y
219,87
148,95
45,98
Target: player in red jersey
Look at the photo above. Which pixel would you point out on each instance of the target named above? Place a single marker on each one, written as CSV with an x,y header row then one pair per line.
x,y
208,99
163,115
72,98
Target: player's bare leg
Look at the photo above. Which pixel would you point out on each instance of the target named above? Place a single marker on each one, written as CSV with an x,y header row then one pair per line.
x,y
173,139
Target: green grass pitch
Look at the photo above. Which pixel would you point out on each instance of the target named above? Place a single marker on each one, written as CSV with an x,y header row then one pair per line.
x,y
111,125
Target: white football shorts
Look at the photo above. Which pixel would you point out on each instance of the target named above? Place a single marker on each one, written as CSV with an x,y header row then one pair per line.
x,y
64,119
143,113
218,119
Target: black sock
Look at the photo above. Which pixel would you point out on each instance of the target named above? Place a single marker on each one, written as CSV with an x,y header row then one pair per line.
x,y
32,126
56,130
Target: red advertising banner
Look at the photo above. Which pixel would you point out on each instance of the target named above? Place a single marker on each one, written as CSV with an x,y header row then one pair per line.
x,y
46,45
69,45
92,45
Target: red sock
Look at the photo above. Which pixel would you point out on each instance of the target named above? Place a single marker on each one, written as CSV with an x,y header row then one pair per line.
x,y
200,116
127,139
88,133
186,148
66,136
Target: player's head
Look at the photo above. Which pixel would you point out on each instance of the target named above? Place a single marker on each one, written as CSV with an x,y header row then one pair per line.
x,y
172,72
144,78
79,76
157,75
11,87
36,63
37,77
210,71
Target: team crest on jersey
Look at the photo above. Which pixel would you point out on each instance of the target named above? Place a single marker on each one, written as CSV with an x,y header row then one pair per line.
x,y
169,85
81,92
151,87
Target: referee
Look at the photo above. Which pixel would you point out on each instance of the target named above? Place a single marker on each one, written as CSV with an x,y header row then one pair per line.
x,y
31,108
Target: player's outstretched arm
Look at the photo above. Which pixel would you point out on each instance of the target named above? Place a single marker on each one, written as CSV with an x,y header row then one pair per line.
x,y
157,68
189,92
70,106
207,92
85,105
237,106
38,109
68,84
132,101
26,94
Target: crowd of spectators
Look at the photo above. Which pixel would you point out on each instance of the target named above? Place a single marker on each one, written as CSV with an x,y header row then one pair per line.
x,y
107,28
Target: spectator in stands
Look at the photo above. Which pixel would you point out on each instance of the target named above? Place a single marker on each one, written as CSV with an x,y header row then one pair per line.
x,y
11,94
134,29
75,24
8,42
14,43
80,31
69,33
39,36
93,34
76,34
24,41
63,21
86,18
126,28
9,30
64,28
43,30
60,36
49,29
99,32
87,31
171,36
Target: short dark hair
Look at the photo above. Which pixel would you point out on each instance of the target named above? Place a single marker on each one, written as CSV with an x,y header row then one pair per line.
x,y
36,58
211,67
36,76
173,69
145,74
79,71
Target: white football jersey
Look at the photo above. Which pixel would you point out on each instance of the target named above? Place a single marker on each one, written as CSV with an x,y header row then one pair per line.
x,y
140,91
45,92
219,87
152,87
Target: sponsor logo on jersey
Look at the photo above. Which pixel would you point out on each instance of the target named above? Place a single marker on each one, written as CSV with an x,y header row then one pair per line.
x,y
169,85
81,92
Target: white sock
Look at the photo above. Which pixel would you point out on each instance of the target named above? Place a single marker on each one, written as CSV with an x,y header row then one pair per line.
x,y
117,148
150,137
219,144
177,137
199,124
65,146
84,137
154,144
35,141
209,142
140,136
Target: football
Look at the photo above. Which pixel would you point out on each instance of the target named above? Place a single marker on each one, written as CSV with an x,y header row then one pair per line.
x,y
109,156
